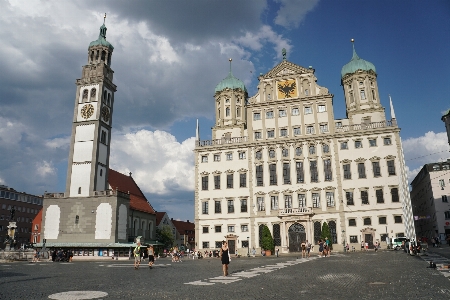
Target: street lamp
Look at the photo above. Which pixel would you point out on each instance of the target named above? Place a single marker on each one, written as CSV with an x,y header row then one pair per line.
x,y
248,247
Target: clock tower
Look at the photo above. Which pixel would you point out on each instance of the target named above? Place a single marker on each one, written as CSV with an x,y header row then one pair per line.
x,y
91,129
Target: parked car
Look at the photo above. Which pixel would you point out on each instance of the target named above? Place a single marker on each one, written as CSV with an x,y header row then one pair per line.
x,y
397,243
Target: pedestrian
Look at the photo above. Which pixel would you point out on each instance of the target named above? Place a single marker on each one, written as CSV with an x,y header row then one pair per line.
x,y
277,251
308,248
137,255
253,252
303,245
362,246
54,255
366,244
320,248
225,257
151,256
376,246
328,244
433,241
35,256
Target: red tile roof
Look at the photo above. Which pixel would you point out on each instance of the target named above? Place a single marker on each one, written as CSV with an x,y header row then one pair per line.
x,y
127,184
182,226
159,216
36,221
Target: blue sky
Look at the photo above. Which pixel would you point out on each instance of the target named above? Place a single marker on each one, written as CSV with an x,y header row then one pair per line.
x,y
168,57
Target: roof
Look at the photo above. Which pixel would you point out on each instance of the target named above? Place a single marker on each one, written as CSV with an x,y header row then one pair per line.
x,y
356,64
101,41
159,217
124,183
182,226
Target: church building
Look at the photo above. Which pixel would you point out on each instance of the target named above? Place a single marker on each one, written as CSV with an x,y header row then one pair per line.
x,y
280,158
100,207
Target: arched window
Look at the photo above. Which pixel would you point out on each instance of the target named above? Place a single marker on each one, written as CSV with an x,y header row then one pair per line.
x,y
97,56
276,235
135,227
298,151
103,55
317,231
109,58
285,152
326,148
109,99
77,219
332,226
260,233
93,93
104,96
79,190
227,112
92,55
85,94
238,112
312,149
101,172
218,113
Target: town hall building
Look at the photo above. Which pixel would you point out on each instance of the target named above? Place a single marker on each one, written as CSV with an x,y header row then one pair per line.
x,y
280,158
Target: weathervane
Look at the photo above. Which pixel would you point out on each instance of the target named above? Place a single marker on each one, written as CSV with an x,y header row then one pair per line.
x,y
283,52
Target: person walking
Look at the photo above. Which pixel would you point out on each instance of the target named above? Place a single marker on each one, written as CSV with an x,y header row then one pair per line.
x,y
303,245
225,258
151,256
320,248
308,248
137,255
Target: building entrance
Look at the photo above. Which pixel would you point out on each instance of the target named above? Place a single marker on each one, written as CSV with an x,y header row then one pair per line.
x,y
232,246
297,235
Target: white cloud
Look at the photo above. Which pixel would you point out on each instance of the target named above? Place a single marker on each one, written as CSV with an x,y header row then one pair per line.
x,y
159,163
45,168
292,12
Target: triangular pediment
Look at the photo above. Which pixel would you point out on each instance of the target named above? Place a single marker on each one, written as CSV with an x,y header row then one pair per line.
x,y
286,68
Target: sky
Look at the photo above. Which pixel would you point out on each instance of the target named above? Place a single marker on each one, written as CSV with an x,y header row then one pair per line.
x,y
169,56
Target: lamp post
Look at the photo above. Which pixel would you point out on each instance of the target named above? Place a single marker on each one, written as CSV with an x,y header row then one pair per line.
x,y
248,247
343,240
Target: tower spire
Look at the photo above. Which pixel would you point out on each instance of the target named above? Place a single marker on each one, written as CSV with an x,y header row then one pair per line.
x,y
197,132
104,19
230,60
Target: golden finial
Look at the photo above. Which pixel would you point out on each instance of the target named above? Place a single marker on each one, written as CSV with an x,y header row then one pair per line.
x,y
229,59
352,40
104,19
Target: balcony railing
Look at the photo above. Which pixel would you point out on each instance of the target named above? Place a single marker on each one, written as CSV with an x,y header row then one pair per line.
x,y
365,126
295,211
223,141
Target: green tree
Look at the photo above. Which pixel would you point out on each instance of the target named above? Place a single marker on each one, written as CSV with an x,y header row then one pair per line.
x,y
267,240
165,236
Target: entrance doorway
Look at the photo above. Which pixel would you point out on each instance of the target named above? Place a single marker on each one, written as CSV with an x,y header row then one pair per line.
x,y
368,238
297,235
232,246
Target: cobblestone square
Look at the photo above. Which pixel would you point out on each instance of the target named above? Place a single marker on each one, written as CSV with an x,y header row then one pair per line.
x,y
366,275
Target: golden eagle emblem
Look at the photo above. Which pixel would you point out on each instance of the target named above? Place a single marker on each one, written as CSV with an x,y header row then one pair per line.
x,y
287,88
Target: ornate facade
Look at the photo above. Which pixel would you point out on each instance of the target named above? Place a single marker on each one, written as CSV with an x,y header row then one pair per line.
x,y
280,158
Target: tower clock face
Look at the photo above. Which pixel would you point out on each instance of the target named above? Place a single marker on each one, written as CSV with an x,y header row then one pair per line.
x,y
105,114
87,111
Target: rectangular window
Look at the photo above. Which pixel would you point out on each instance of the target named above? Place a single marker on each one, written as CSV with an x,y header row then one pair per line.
x,y
398,219
217,207
257,135
323,128
338,124
282,113
308,110
269,115
205,207
361,170
229,156
297,131
230,228
218,244
243,205
295,111
382,220
229,181
376,169
300,174
363,95
205,245
351,222
344,145
353,239
241,155
349,197
372,143
441,183
313,171
447,215
256,116
259,175
217,182
286,173
230,204
347,172
243,180
260,203
301,200
327,170
273,202
283,132
358,144
273,174
205,229
204,158
244,228
391,167
216,157
309,129
244,244
218,229
321,108
287,201
379,194
270,133
103,137
204,183
364,197
367,221
315,200
330,199
444,198
387,141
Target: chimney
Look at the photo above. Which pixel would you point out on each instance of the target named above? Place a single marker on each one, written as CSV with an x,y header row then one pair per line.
x,y
188,221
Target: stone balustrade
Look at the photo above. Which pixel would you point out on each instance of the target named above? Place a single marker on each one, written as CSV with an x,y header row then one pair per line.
x,y
365,126
295,211
222,141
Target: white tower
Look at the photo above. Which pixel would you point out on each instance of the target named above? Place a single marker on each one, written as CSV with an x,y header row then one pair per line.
x,y
91,129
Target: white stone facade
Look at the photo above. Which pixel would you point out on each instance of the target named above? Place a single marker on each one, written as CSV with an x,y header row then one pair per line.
x,y
285,162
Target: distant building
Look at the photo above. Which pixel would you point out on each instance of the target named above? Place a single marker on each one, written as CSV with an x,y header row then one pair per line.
x,y
162,219
26,207
185,237
430,195
279,158
102,212
446,119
